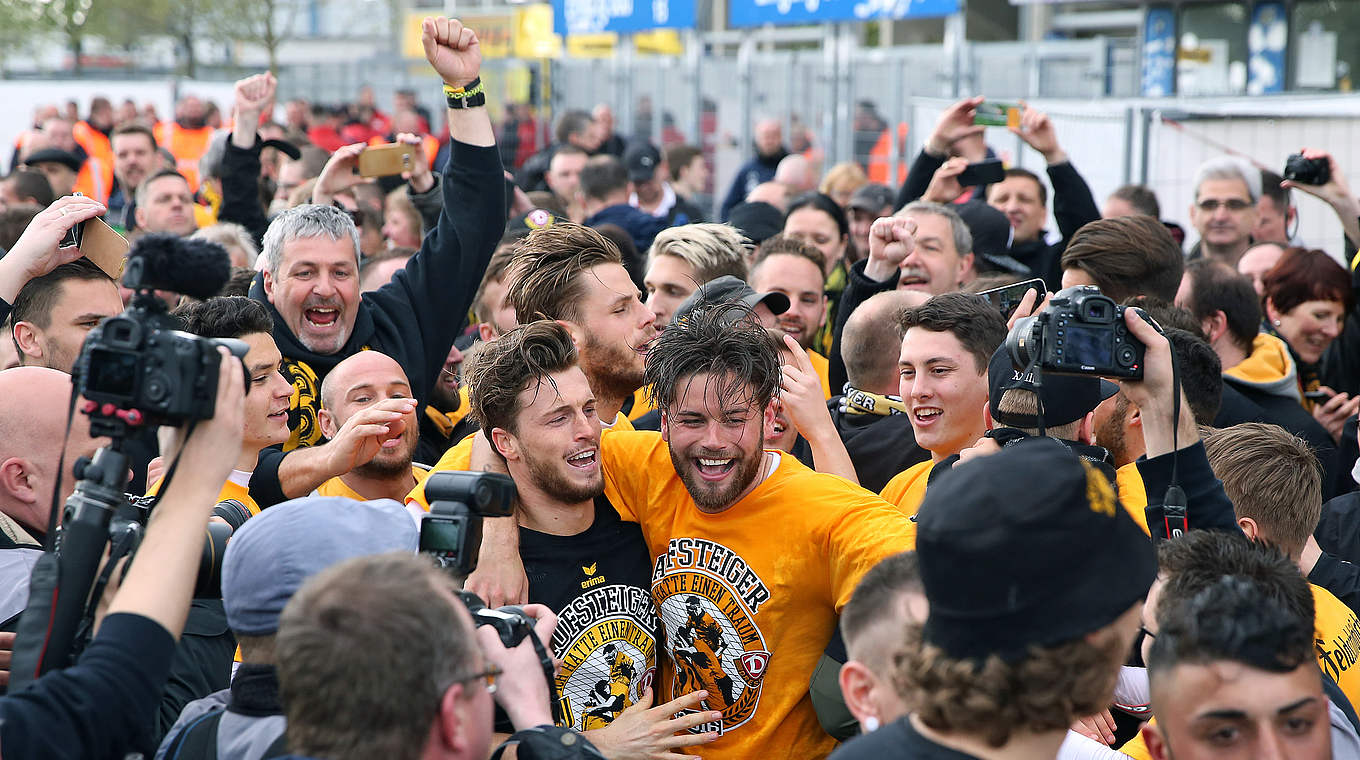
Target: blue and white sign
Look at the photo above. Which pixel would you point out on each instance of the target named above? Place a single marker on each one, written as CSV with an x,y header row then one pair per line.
x,y
1266,39
760,12
571,17
1159,52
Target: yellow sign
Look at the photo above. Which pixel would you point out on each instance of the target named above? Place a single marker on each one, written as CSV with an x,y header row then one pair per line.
x,y
495,33
534,36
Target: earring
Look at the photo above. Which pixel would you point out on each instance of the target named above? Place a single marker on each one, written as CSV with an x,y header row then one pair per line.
x,y
1276,323
870,724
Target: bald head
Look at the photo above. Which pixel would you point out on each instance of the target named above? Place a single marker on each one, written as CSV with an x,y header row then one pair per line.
x,y
774,193
871,342
357,373
33,403
796,172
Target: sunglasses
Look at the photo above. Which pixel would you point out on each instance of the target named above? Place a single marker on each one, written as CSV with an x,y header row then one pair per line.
x,y
1209,205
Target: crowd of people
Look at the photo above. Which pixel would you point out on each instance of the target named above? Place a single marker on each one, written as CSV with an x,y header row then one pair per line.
x,y
786,484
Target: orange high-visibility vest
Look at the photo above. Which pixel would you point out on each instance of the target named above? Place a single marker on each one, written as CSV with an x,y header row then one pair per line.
x,y
186,145
430,145
95,179
880,157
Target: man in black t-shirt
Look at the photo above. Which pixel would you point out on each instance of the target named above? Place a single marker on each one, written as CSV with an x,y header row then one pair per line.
x,y
590,568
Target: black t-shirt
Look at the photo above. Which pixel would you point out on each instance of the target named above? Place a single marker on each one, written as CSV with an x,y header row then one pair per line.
x,y
599,584
898,739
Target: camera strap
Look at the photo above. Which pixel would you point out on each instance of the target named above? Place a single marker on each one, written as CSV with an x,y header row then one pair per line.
x,y
546,661
1036,375
50,541
1174,504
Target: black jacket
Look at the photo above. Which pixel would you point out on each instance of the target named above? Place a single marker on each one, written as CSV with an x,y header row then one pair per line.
x,y
858,289
102,707
640,226
757,170
1341,362
415,317
1207,505
1244,403
880,446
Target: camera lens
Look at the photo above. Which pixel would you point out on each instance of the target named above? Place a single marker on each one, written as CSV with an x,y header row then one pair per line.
x,y
1020,341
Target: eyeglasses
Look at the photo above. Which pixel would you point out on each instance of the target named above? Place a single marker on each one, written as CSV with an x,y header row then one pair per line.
x,y
489,676
1210,205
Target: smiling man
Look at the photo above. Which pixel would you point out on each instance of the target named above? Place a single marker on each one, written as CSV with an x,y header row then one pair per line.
x,y
311,256
349,392
745,618
1224,211
947,344
794,269
582,562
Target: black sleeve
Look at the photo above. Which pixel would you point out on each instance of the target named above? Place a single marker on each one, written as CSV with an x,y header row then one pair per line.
x,y
241,190
1073,204
202,663
918,178
5,309
1339,577
428,203
1207,505
1341,363
427,302
102,706
734,193
265,488
858,289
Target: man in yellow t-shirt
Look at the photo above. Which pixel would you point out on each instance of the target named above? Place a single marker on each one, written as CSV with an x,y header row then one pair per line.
x,y
947,343
745,617
352,388
796,270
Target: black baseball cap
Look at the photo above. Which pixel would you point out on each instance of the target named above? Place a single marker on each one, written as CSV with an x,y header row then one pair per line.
x,y
872,197
729,288
641,160
1007,568
1066,398
757,220
992,235
53,156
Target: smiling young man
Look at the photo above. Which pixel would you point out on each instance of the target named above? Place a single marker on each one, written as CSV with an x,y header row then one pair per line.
x,y
947,344
794,269
582,562
707,493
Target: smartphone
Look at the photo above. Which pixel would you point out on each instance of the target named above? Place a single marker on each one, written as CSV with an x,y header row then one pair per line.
x,y
99,243
993,114
1007,297
987,172
1320,397
386,160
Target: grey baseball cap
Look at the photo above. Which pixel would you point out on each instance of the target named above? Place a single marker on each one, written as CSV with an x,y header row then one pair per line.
x,y
275,552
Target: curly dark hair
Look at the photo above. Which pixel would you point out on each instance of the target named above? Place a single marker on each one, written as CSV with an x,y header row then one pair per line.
x,y
510,364
1045,691
723,340
225,317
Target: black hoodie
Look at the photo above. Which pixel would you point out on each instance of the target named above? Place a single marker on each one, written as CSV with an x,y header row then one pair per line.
x,y
415,317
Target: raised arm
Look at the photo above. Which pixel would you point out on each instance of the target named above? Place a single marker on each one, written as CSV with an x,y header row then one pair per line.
x,y
241,161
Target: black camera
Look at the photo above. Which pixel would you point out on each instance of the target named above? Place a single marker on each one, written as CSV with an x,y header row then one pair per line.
x,y
452,532
1307,171
512,623
1081,332
136,368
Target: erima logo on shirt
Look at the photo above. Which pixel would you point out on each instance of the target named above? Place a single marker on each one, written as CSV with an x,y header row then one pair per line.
x,y
591,578
589,569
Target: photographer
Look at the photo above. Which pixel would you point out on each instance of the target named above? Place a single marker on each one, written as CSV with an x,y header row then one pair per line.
x,y
106,702
379,658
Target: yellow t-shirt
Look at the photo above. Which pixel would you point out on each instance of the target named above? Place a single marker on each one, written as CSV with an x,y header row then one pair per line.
x,y
907,489
230,490
1336,636
747,612
823,367
1136,748
459,458
336,486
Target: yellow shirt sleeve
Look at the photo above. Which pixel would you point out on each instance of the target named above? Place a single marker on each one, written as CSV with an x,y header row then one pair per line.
x,y
629,458
1129,482
907,489
823,367
458,457
865,532
1136,748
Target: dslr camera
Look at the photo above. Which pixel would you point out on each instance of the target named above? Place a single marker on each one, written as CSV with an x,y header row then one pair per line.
x,y
452,532
1081,332
1307,171
137,368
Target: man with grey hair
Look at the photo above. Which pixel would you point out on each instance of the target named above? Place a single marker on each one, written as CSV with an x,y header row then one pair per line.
x,y
685,257
1224,210
311,265
942,259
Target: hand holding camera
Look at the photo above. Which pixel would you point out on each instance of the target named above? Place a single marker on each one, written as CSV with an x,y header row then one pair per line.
x,y
1079,332
522,688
